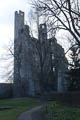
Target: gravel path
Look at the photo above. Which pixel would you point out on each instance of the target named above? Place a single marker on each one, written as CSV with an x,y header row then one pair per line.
x,y
33,114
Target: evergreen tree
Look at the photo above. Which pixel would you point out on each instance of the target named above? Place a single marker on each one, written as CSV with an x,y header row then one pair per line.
x,y
74,70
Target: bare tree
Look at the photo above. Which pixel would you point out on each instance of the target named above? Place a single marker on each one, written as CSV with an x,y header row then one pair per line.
x,y
7,59
46,50
62,14
42,52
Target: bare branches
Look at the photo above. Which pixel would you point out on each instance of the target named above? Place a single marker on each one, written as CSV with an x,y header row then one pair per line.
x,y
71,48
7,61
72,19
66,12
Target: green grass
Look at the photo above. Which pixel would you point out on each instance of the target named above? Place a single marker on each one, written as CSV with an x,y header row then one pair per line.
x,y
57,111
20,105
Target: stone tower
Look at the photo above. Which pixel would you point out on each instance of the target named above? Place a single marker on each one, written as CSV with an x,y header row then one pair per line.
x,y
19,23
23,84
43,32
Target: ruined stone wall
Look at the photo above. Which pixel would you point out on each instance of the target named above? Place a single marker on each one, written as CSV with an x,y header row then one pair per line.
x,y
27,61
23,81
6,90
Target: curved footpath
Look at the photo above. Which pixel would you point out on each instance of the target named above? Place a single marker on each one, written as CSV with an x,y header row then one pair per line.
x,y
36,113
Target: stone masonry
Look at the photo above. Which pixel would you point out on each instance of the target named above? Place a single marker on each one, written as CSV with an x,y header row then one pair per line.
x,y
26,61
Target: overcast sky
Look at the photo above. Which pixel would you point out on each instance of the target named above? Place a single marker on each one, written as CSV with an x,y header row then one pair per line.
x,y
7,8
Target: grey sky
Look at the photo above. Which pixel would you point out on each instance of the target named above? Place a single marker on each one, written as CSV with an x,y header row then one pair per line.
x,y
7,8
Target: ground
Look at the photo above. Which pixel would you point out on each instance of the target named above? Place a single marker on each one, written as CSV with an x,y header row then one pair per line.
x,y
19,106
53,111
57,111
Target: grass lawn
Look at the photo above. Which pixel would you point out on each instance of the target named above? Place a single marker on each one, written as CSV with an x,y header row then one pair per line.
x,y
56,111
20,105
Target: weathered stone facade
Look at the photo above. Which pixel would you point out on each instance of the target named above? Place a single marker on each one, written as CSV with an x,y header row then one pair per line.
x,y
27,62
6,90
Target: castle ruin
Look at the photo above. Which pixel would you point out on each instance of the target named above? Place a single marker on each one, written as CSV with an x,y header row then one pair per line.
x,y
37,62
